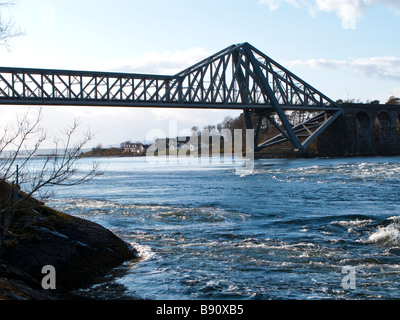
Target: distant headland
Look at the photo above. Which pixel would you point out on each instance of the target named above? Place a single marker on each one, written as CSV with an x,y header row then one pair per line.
x,y
126,149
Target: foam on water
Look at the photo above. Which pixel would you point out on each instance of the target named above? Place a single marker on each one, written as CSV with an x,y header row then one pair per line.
x,y
386,235
144,251
353,225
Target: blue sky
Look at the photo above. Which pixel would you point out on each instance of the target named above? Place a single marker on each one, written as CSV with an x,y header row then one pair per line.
x,y
346,49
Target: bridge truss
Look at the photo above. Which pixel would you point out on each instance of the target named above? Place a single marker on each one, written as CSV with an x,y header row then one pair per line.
x,y
238,77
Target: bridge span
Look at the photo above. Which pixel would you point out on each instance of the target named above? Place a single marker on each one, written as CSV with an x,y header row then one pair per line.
x,y
240,77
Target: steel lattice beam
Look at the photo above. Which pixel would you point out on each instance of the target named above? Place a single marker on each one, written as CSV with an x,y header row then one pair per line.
x,y
238,77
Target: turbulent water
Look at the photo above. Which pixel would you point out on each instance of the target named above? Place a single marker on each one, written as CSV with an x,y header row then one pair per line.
x,y
289,229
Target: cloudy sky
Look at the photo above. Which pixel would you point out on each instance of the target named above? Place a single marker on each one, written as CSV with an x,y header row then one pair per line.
x,y
346,49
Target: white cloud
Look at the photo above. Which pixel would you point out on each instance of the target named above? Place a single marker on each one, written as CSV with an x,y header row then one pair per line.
x,y
167,63
387,68
274,4
394,5
349,11
384,67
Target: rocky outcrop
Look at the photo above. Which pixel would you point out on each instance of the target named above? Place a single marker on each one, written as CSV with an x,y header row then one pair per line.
x,y
81,252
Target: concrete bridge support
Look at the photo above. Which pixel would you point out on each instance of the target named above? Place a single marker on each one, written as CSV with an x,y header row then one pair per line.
x,y
363,130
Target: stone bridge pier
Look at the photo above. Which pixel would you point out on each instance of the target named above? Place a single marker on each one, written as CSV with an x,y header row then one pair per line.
x,y
363,130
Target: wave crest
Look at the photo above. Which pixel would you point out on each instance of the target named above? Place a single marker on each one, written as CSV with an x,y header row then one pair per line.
x,y
386,235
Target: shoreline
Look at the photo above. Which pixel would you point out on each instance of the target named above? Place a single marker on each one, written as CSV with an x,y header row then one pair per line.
x,y
260,156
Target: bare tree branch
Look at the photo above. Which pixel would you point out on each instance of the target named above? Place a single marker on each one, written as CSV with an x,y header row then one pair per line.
x,y
59,168
8,30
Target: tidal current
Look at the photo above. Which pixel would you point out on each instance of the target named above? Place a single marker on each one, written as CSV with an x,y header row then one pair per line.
x,y
206,229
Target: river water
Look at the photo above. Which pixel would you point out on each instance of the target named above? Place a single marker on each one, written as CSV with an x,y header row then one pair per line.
x,y
288,229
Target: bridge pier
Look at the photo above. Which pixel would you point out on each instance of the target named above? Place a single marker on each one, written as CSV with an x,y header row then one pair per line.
x,y
363,130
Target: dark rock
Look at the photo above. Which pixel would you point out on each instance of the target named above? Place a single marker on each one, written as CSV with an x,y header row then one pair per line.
x,y
81,252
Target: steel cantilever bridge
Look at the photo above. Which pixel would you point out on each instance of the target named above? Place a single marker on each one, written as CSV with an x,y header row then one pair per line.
x,y
238,77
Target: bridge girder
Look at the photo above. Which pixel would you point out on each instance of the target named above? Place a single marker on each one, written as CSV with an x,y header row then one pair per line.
x,y
238,77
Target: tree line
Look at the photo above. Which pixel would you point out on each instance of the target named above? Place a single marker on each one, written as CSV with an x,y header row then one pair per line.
x,y
391,101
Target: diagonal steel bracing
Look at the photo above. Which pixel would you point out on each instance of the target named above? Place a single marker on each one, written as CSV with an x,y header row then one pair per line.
x,y
238,77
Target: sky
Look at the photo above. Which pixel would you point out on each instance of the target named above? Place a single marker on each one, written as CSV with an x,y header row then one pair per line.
x,y
346,49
